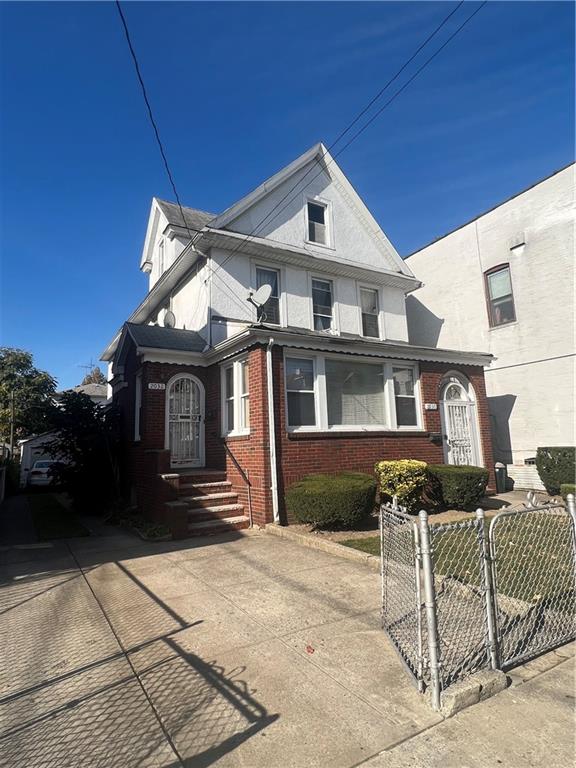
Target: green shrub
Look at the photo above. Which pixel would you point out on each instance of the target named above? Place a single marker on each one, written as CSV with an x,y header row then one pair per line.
x,y
457,486
567,488
405,479
340,500
555,467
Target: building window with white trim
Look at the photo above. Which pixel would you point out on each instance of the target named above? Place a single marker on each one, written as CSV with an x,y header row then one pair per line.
x,y
354,393
300,392
317,225
405,397
370,310
270,311
236,398
322,304
499,296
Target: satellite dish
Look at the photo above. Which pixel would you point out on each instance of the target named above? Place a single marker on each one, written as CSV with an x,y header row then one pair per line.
x,y
261,296
169,319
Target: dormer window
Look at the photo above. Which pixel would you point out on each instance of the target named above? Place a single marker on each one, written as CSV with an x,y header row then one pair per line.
x,y
317,231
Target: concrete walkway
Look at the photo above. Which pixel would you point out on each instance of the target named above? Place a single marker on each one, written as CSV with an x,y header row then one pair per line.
x,y
238,650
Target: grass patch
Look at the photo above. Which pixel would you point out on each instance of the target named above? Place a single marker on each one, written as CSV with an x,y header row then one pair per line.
x,y
52,520
533,556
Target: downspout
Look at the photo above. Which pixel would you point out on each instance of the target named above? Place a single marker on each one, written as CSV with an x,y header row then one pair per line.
x,y
272,433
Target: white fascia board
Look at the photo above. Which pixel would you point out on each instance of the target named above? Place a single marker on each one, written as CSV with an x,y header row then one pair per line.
x,y
151,230
265,188
301,257
374,349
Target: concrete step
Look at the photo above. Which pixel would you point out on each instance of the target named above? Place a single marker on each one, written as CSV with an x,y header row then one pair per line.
x,y
211,499
196,476
196,489
204,527
218,512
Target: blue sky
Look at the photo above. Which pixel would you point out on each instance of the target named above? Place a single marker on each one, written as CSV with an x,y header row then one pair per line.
x,y
239,90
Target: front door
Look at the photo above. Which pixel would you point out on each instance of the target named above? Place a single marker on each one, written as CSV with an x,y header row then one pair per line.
x,y
185,422
457,417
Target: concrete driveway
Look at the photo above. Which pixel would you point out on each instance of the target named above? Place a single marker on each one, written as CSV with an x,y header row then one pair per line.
x,y
239,650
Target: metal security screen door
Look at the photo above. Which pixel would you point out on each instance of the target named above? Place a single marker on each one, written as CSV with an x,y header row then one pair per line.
x,y
460,443
185,423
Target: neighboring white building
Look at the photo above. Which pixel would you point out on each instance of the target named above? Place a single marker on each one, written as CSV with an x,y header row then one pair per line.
x,y
504,283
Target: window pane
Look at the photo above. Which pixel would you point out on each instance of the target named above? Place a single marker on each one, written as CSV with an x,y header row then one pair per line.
x,y
499,284
299,374
403,381
355,393
267,277
229,415
244,378
245,412
369,301
229,382
322,323
370,325
406,412
316,213
503,311
301,409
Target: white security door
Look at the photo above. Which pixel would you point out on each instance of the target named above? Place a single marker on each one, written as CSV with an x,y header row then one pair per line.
x,y
459,434
185,422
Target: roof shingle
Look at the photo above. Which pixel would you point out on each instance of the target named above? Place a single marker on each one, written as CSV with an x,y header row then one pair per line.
x,y
158,337
193,218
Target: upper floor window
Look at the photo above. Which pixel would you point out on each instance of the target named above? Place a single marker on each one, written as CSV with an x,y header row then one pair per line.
x,y
322,304
269,312
499,296
161,257
370,309
317,232
236,398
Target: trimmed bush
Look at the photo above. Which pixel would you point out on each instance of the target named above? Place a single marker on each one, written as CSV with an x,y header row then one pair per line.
x,y
405,479
567,488
457,486
555,467
326,501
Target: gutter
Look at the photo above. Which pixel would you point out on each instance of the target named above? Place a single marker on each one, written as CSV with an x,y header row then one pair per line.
x,y
272,432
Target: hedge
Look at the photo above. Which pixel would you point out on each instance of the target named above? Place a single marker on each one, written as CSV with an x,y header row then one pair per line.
x,y
339,500
457,486
567,488
555,467
405,479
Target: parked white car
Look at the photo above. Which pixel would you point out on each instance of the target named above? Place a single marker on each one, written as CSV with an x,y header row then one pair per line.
x,y
41,473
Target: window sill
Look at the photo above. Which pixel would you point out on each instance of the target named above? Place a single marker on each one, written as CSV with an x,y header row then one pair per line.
x,y
319,245
236,435
502,325
328,434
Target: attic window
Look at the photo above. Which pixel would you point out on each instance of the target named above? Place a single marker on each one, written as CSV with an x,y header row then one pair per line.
x,y
317,223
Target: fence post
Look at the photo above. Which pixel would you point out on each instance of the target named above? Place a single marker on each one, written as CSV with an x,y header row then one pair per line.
x,y
489,591
430,604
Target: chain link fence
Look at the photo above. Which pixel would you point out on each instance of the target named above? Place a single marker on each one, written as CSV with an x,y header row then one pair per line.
x,y
478,594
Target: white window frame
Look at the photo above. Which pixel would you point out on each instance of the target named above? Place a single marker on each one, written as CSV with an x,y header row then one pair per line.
x,y
328,222
321,402
380,316
392,397
137,406
335,327
259,264
236,367
161,256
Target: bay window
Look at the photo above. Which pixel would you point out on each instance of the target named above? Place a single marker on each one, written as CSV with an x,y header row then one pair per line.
x,y
235,398
329,392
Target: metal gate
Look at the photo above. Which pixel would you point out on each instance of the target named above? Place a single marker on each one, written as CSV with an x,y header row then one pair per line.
x,y
532,554
185,422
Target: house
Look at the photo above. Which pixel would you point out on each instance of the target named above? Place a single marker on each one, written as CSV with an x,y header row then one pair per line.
x,y
504,282
96,392
224,404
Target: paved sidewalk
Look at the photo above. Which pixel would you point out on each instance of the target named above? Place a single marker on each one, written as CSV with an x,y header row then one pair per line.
x,y
238,650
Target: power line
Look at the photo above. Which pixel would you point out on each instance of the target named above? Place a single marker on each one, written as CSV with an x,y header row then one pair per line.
x,y
356,119
150,114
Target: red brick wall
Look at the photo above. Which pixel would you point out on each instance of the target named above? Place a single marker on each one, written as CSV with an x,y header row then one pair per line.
x,y
299,454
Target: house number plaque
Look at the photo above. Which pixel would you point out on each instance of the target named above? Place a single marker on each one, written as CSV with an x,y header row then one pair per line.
x,y
430,406
156,385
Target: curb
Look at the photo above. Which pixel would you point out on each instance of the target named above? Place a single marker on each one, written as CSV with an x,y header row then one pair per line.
x,y
331,547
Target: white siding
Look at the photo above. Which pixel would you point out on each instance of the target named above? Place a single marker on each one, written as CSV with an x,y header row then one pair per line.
x,y
532,363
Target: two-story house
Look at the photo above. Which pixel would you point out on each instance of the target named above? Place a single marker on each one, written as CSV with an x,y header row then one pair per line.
x,y
225,404
504,282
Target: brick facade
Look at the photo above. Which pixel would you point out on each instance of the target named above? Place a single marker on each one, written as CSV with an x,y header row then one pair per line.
x,y
297,454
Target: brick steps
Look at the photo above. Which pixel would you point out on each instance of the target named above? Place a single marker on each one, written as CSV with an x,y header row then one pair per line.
x,y
211,499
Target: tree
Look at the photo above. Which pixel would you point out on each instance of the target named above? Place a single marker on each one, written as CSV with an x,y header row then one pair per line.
x,y
86,444
32,391
95,376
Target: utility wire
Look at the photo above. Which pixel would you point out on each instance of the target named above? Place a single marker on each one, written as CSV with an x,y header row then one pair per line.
x,y
356,119
150,114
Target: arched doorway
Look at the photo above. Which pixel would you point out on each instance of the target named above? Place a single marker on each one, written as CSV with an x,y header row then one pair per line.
x,y
185,421
459,427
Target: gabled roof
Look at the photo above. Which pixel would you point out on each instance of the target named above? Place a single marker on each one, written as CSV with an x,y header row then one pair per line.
x,y
158,337
194,219
92,390
327,163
